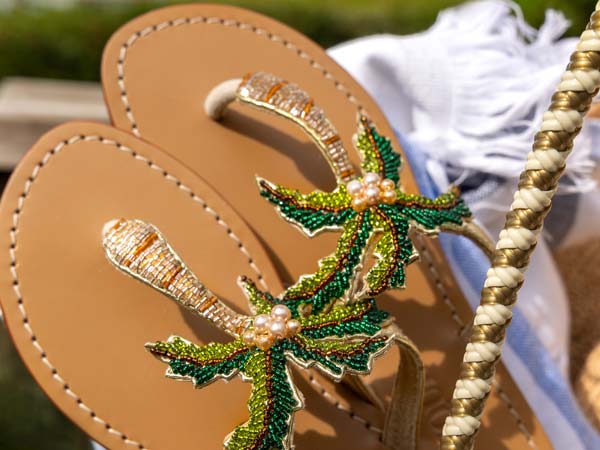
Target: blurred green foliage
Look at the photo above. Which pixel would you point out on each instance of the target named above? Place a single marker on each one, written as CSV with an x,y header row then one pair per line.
x,y
67,43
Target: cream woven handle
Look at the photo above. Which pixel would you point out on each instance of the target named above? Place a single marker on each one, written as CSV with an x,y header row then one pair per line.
x,y
532,201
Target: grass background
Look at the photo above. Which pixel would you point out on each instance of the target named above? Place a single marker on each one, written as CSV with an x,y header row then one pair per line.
x,y
67,43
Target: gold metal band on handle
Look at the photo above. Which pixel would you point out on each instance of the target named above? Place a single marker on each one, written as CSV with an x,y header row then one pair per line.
x,y
566,105
265,91
140,250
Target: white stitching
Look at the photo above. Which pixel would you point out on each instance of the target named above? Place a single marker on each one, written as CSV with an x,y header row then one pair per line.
x,y
213,21
13,260
313,63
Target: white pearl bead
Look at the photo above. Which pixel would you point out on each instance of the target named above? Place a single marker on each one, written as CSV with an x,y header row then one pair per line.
x,y
264,341
359,204
261,321
354,187
293,326
277,328
248,337
281,312
371,178
387,184
389,196
372,194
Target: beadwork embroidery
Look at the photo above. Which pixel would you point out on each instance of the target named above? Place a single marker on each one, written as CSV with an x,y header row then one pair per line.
x,y
328,319
369,210
344,339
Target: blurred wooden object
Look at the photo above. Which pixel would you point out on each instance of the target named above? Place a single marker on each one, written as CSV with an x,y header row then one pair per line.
x,y
29,107
594,111
580,267
587,387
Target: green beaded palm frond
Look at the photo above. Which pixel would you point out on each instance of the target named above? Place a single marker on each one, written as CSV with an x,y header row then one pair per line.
x,y
311,213
385,224
336,273
345,339
377,153
273,399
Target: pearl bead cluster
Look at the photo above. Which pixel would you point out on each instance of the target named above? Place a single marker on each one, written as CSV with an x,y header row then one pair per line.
x,y
371,191
268,328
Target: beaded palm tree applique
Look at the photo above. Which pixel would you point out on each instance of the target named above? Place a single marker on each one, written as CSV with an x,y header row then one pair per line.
x,y
345,339
369,210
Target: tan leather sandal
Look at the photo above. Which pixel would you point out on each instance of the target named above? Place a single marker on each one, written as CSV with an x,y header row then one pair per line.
x,y
157,72
81,327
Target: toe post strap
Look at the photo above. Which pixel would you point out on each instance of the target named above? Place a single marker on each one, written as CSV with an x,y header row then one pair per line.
x,y
140,250
270,93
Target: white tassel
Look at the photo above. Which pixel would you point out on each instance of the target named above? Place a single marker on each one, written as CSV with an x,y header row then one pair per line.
x,y
472,89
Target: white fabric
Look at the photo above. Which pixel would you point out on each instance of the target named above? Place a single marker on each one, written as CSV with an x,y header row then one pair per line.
x,y
219,97
471,92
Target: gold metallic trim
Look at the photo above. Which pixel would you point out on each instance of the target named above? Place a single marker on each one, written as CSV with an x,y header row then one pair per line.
x,y
271,93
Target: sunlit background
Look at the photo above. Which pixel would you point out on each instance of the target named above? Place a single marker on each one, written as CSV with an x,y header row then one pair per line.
x,y
44,41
